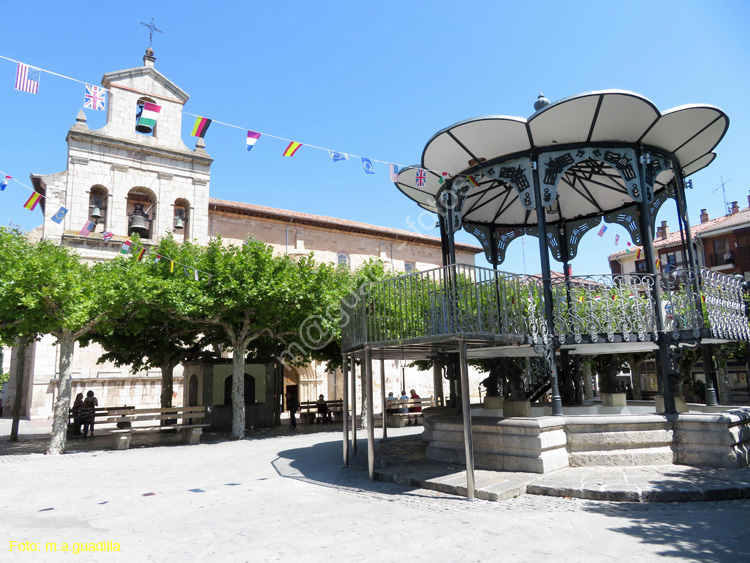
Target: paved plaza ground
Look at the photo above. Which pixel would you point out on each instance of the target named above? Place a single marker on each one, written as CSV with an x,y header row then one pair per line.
x,y
282,495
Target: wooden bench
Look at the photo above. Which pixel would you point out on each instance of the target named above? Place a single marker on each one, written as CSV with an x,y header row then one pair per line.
x,y
101,414
648,395
157,420
401,419
308,411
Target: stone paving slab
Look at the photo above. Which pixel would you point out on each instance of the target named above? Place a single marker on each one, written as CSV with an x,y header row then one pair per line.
x,y
402,460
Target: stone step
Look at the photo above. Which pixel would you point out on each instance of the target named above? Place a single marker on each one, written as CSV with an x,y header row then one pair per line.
x,y
639,456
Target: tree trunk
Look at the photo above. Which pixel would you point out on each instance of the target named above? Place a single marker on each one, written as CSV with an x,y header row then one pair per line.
x,y
23,344
62,405
167,384
238,391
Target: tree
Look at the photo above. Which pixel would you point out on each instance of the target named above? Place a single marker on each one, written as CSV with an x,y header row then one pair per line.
x,y
150,333
21,315
252,299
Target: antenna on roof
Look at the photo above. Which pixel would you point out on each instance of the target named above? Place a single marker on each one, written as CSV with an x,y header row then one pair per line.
x,y
723,193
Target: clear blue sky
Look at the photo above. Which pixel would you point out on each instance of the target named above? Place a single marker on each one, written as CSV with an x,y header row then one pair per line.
x,y
372,79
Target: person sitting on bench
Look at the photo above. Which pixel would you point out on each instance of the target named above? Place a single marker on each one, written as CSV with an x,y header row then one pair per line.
x,y
324,413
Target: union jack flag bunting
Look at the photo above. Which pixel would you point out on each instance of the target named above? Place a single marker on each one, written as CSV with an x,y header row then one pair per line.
x,y
94,98
421,178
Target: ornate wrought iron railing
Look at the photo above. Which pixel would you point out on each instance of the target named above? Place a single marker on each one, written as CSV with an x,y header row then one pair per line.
x,y
471,300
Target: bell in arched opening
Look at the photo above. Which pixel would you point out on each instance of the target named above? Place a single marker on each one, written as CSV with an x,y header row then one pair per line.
x,y
139,220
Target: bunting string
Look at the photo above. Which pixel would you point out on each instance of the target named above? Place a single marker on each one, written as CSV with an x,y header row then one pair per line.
x,y
368,170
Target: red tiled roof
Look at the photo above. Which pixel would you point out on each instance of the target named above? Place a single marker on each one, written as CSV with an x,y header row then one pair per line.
x,y
675,237
330,223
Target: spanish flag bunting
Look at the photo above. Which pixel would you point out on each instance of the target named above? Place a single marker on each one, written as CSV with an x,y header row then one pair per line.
x,y
580,298
658,263
614,297
141,254
33,201
200,127
292,148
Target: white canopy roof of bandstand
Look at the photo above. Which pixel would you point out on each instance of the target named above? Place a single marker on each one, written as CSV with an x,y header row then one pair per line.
x,y
605,118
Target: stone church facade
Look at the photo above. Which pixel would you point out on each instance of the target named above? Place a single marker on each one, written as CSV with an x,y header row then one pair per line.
x,y
150,182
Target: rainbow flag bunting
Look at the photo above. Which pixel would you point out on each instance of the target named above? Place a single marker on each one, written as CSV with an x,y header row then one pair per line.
x,y
33,201
200,127
292,148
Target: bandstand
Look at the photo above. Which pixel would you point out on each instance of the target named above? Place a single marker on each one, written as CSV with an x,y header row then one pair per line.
x,y
608,157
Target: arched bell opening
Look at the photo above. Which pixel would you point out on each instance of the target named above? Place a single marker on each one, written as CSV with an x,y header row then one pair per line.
x,y
141,211
181,220
98,205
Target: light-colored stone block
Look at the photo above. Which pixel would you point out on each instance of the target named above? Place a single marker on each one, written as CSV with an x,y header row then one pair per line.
x,y
121,440
516,408
614,399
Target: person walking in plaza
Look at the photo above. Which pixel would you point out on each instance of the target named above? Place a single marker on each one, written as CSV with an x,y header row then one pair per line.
x,y
87,412
292,405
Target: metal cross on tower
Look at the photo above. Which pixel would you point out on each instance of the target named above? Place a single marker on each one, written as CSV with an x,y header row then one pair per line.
x,y
151,28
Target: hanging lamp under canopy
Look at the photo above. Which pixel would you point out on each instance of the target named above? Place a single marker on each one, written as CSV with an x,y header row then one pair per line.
x,y
598,154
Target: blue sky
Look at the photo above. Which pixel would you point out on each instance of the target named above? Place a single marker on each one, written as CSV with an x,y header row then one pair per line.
x,y
376,80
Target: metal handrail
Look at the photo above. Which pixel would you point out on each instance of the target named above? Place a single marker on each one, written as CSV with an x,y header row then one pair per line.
x,y
464,299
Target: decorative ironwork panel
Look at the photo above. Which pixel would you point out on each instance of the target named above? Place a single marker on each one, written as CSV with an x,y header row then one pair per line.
x,y
680,303
482,234
655,205
552,165
601,307
574,231
516,173
724,305
627,217
553,240
504,238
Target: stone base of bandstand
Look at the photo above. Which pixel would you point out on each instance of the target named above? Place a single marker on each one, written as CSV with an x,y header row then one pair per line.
x,y
679,403
533,445
546,443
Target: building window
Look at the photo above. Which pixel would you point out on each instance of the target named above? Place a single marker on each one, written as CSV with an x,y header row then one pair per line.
x,y
669,262
640,266
342,259
409,267
722,253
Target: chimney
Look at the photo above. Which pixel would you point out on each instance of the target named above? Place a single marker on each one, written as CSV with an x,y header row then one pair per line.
x,y
663,231
704,215
735,208
748,200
